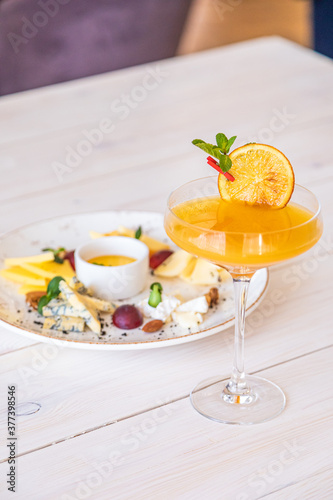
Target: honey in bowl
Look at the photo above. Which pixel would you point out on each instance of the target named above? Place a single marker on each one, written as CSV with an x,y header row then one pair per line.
x,y
111,260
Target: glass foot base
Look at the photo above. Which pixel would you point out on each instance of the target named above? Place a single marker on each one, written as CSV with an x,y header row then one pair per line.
x,y
264,402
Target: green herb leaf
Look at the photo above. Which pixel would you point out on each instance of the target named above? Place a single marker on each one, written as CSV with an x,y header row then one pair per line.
x,y
222,142
56,254
219,151
53,286
99,264
230,142
51,293
225,163
155,295
138,233
43,301
206,147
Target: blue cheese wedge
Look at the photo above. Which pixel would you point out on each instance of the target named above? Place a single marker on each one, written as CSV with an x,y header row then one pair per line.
x,y
87,312
98,304
79,287
59,307
65,323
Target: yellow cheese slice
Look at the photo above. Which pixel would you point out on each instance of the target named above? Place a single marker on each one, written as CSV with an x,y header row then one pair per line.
x,y
153,245
24,289
32,259
124,231
94,234
49,270
22,276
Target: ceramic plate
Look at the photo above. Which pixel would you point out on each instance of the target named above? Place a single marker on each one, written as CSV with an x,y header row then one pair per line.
x,y
72,230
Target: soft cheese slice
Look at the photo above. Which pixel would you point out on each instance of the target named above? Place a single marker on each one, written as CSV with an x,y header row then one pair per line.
x,y
88,313
65,323
203,273
22,276
162,311
174,265
32,259
189,320
50,269
198,305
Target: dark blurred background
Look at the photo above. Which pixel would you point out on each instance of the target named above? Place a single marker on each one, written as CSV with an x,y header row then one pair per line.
x,y
50,41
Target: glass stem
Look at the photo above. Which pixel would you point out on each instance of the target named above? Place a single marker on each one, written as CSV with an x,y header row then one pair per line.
x,y
237,384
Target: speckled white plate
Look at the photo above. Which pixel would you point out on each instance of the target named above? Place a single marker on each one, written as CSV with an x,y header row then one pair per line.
x,y
72,230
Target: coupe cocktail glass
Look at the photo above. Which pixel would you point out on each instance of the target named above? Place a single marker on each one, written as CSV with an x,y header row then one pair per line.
x,y
241,239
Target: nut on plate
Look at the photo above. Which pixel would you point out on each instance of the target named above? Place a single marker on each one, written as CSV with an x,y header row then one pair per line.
x,y
153,326
32,298
212,297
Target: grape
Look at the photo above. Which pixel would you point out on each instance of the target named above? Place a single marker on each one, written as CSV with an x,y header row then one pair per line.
x,y
157,258
70,257
127,317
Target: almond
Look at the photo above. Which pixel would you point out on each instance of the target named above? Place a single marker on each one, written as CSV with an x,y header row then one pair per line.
x,y
153,326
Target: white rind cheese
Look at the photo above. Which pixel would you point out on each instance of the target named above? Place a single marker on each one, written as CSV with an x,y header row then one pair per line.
x,y
189,320
198,305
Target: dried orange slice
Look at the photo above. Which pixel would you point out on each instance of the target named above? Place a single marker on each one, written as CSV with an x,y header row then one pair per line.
x,y
263,176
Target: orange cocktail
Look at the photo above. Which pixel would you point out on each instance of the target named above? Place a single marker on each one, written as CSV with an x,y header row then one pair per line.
x,y
240,237
250,217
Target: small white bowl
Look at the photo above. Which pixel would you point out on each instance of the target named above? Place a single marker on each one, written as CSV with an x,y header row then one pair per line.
x,y
118,282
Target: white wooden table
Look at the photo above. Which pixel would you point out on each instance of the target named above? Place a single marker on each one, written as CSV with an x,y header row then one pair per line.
x,y
120,425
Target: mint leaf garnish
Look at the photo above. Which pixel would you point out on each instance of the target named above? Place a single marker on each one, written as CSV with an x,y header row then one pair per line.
x,y
51,293
220,151
225,163
230,142
222,142
138,233
43,301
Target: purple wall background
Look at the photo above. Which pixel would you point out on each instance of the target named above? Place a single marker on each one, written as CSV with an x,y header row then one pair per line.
x,y
50,41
